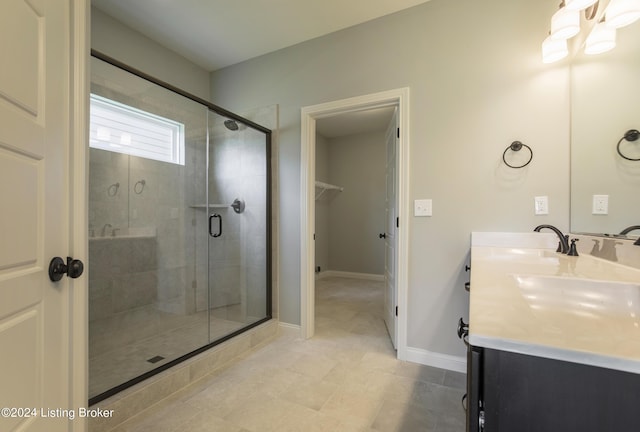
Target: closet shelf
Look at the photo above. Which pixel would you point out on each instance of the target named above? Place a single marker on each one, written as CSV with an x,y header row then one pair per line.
x,y
322,187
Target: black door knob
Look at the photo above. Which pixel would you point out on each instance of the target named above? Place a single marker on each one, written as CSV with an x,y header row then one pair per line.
x,y
382,235
57,268
74,268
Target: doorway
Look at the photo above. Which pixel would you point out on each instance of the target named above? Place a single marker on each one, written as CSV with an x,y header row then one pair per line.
x,y
398,99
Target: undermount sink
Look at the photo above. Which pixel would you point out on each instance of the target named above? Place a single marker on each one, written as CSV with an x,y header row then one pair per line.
x,y
582,298
517,254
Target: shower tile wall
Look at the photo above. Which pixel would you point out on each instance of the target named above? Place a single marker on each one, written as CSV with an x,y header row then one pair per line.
x,y
141,285
268,116
224,264
253,184
238,257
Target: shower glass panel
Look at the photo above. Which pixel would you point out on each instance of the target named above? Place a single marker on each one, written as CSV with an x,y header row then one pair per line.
x,y
179,246
237,219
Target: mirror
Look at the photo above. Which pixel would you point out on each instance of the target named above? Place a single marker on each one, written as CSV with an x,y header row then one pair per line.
x,y
605,104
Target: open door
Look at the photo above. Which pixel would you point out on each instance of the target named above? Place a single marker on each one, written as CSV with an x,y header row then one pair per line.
x,y
390,237
397,184
36,131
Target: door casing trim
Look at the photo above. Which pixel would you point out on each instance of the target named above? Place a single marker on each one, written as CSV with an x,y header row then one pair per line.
x,y
309,115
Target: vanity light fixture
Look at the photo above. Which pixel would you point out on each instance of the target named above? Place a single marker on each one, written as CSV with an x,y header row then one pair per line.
x,y
601,39
554,49
578,4
565,23
621,13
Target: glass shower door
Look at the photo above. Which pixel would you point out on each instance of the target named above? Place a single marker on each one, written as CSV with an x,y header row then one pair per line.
x,y
147,183
179,234
238,238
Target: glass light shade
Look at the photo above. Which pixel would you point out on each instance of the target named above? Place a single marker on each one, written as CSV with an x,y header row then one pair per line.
x,y
601,39
578,4
621,13
565,24
554,50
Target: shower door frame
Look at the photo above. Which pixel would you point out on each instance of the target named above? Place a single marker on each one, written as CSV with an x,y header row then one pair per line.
x,y
269,306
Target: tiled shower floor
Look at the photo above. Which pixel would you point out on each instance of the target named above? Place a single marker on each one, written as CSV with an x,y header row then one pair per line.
x,y
120,347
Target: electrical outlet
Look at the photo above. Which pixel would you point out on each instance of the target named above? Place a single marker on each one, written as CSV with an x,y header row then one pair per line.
x,y
541,205
600,204
423,207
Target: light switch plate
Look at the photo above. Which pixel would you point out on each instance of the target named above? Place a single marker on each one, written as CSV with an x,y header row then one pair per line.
x,y
541,205
600,204
423,207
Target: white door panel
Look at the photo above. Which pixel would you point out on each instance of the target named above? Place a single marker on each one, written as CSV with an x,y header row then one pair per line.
x,y
34,221
19,221
391,240
21,63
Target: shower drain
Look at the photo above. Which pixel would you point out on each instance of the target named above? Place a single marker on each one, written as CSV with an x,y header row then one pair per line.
x,y
155,359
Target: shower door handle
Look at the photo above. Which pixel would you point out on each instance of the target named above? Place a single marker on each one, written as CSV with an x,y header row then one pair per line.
x,y
213,216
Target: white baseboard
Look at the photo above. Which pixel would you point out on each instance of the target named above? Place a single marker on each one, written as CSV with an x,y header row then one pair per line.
x,y
352,275
292,329
442,361
415,355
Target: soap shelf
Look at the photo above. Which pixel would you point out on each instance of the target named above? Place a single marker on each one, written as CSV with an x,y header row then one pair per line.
x,y
322,188
238,205
204,206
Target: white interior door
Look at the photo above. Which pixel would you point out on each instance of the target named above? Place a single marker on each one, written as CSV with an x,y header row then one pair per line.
x,y
34,220
391,239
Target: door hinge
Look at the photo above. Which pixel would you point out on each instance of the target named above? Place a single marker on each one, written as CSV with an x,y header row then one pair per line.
x,y
397,222
314,236
396,310
398,129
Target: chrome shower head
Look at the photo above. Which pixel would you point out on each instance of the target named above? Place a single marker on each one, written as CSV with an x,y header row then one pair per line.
x,y
231,125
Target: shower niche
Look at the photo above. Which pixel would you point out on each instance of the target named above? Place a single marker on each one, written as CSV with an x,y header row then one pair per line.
x,y
179,234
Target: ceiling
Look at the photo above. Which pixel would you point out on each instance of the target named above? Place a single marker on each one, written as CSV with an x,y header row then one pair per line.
x,y
372,120
218,33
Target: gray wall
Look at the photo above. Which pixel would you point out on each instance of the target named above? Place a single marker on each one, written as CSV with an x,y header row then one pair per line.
x,y
348,222
128,46
477,84
356,215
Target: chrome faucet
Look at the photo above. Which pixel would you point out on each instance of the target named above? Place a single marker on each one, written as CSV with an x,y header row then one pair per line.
x,y
104,229
564,242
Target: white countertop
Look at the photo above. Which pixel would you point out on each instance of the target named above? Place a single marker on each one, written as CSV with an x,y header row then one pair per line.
x,y
526,298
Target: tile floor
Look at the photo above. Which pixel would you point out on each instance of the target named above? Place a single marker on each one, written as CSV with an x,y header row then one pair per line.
x,y
346,378
174,335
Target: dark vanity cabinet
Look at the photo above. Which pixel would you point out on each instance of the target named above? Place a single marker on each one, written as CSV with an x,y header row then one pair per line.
x,y
510,392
